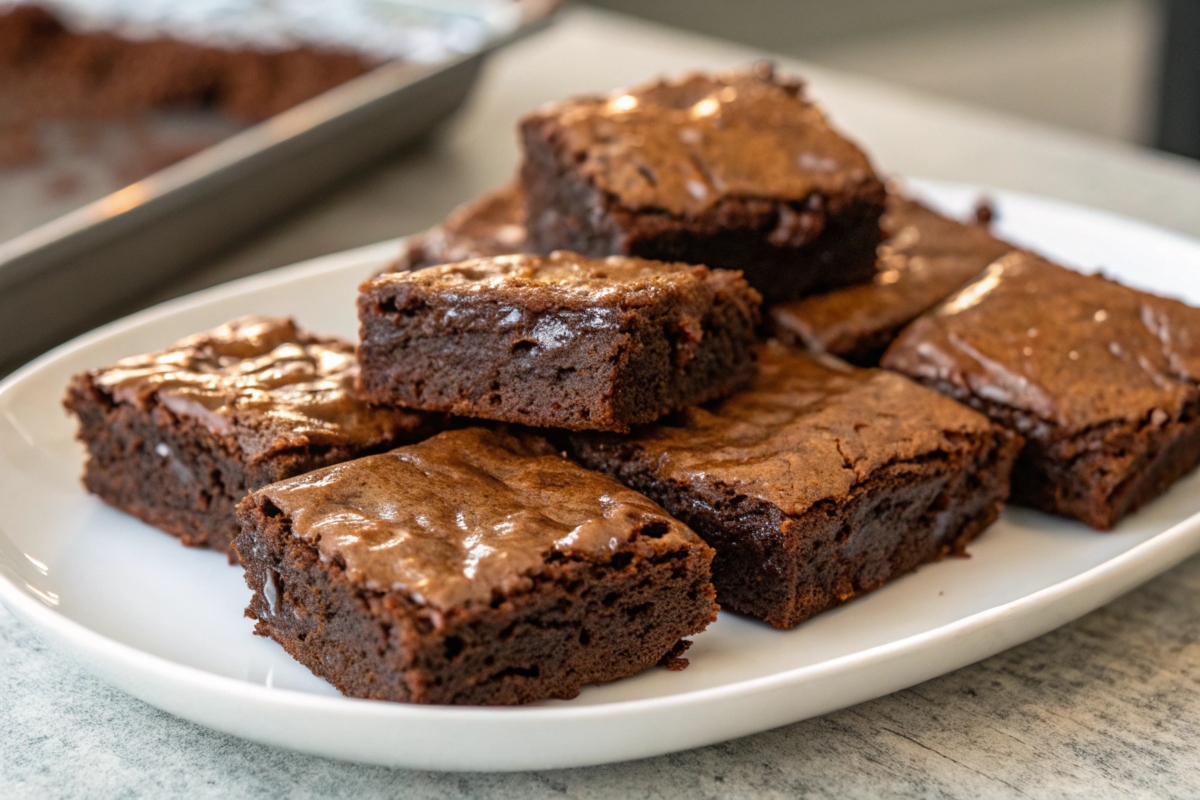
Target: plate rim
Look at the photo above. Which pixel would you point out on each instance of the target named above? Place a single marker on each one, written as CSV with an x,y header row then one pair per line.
x,y
60,625
1093,587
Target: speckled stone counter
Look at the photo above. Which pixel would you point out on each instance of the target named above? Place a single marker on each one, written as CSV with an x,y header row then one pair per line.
x,y
1108,706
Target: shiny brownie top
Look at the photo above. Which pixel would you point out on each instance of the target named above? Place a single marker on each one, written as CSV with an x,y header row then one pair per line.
x,y
566,279
810,428
1058,347
468,515
683,146
923,260
262,381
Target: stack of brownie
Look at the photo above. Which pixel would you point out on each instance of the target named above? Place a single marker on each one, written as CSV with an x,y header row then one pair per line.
x,y
561,439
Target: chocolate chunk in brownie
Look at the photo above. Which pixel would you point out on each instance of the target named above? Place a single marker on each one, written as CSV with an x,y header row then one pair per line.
x,y
178,437
558,341
819,483
738,171
925,258
490,225
473,568
1101,380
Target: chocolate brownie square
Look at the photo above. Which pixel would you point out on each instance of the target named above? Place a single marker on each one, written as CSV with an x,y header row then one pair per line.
x,y
473,568
738,171
1103,381
558,341
492,224
819,483
925,258
178,437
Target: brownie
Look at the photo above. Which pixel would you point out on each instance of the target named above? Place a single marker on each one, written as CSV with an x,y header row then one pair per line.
x,y
819,483
1099,378
493,224
925,258
473,568
558,341
178,437
49,71
737,170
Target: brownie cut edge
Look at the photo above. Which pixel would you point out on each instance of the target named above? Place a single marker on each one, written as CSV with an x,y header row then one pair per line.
x,y
819,483
737,170
177,437
528,576
556,341
924,259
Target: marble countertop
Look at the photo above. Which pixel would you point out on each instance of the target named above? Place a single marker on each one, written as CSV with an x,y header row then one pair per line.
x,y
1105,707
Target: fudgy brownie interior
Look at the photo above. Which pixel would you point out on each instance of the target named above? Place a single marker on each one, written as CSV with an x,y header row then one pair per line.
x,y
818,483
560,341
475,567
178,437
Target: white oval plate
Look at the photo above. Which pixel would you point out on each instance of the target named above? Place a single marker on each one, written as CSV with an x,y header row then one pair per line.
x,y
165,623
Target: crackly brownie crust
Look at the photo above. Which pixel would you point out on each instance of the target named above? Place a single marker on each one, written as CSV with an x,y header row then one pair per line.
x,y
924,258
819,483
557,341
1102,380
178,437
737,171
492,224
477,568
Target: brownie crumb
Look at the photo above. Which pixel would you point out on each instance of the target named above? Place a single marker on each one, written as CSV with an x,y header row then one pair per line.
x,y
985,212
674,660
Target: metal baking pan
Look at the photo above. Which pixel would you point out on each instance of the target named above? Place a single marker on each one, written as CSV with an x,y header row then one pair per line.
x,y
79,270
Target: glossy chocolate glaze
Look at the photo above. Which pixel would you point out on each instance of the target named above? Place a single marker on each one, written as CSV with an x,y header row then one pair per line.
x,y
683,146
925,258
1071,350
491,225
466,514
810,428
263,382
